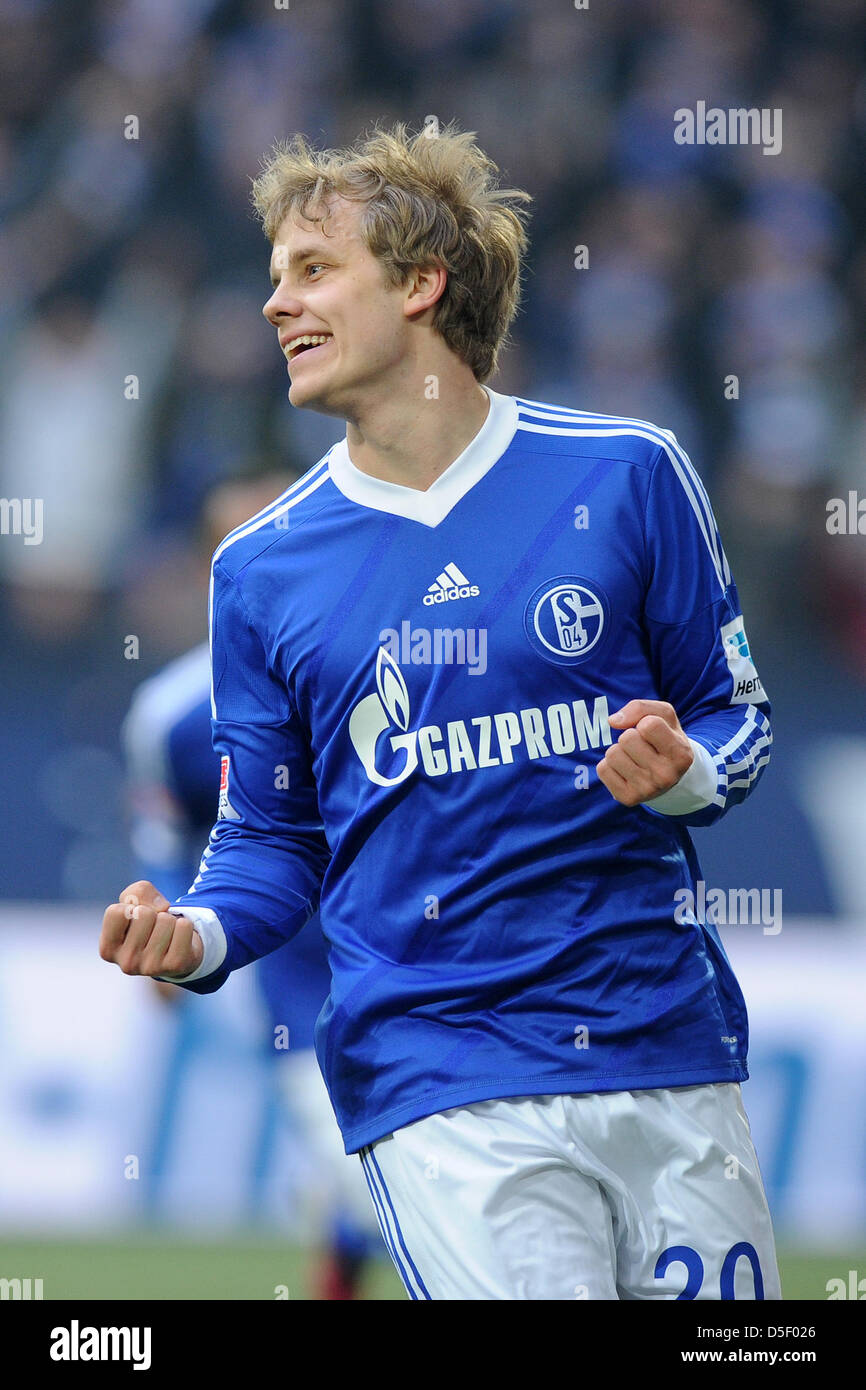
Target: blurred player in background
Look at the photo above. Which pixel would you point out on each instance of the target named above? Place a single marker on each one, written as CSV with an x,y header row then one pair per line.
x,y
535,1053
174,780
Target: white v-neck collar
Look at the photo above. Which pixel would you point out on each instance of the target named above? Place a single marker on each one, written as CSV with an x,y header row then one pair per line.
x,y
432,506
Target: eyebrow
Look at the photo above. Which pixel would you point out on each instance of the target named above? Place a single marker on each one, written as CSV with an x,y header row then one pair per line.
x,y
302,253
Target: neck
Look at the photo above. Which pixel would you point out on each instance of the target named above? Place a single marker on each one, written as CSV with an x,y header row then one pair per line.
x,y
412,436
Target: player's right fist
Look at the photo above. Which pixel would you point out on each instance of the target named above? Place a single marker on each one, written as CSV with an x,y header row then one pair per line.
x,y
142,938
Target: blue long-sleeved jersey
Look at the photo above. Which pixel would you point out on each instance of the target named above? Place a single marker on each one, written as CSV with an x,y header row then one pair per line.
x,y
411,692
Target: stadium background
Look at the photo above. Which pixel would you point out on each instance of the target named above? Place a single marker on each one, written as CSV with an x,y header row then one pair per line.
x,y
140,257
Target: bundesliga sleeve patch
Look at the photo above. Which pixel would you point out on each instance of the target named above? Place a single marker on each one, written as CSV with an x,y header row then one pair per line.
x,y
226,809
747,686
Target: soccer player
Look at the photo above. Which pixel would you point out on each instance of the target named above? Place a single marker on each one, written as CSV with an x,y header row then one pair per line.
x,y
173,778
474,676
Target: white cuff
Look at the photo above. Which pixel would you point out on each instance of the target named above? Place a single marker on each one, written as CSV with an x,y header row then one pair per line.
x,y
694,791
213,940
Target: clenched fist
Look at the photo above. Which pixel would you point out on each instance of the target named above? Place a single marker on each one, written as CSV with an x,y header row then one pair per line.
x,y
141,937
651,754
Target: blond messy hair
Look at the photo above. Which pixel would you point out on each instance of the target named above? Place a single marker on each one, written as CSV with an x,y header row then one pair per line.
x,y
427,201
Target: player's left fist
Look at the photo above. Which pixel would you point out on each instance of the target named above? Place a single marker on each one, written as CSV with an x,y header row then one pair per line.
x,y
650,755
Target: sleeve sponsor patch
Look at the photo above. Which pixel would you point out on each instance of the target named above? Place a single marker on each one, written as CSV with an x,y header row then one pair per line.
x,y
226,810
747,686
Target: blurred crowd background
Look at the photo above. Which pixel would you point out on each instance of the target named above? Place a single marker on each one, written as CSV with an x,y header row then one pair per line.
x,y
136,371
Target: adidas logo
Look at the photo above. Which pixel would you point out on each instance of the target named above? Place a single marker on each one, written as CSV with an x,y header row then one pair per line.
x,y
450,584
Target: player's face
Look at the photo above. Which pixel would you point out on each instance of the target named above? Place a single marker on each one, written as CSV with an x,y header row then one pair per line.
x,y
327,284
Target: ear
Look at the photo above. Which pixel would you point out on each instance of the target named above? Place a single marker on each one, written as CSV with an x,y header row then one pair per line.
x,y
424,288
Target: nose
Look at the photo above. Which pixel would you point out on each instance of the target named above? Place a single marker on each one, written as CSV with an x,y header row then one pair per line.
x,y
281,305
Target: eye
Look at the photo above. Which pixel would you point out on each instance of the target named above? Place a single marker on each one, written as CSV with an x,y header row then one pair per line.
x,y
313,265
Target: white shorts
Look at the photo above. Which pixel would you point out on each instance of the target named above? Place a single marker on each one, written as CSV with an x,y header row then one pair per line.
x,y
632,1194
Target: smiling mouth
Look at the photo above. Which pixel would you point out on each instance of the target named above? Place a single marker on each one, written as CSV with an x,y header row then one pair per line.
x,y
311,342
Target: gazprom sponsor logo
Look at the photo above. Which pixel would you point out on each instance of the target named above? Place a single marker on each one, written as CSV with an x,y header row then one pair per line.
x,y
390,751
